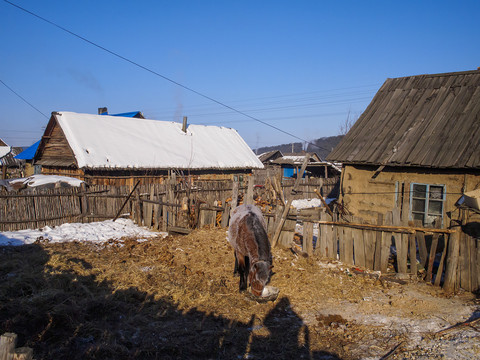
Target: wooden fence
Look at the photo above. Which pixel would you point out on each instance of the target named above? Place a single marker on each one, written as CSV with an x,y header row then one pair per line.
x,y
446,257
176,203
440,256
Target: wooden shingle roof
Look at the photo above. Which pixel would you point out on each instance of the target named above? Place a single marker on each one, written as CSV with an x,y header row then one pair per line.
x,y
420,121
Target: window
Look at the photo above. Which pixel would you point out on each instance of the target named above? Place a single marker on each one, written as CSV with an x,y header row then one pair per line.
x,y
426,202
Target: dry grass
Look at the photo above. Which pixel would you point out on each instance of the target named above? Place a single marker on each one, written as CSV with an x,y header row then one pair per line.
x,y
177,298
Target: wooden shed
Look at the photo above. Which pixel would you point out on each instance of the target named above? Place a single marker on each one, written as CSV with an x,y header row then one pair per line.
x,y
116,150
9,165
316,167
416,147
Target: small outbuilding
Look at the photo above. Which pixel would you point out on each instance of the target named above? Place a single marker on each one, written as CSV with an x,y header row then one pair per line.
x,y
9,165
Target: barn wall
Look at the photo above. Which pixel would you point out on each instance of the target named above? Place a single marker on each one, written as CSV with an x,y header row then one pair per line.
x,y
366,196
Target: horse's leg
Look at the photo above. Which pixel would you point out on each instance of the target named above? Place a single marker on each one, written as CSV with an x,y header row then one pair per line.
x,y
235,268
246,272
241,271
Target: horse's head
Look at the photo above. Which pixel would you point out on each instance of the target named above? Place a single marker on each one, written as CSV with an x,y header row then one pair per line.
x,y
258,276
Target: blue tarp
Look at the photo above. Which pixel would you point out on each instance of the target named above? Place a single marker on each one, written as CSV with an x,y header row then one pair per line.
x,y
29,152
127,114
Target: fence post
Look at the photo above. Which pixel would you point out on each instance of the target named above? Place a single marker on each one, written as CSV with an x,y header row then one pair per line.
x,y
234,196
308,238
84,201
450,283
386,242
249,197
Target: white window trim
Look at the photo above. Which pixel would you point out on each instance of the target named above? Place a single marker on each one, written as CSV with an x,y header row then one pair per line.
x,y
425,212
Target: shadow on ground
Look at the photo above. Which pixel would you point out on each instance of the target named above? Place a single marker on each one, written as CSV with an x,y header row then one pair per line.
x,y
63,313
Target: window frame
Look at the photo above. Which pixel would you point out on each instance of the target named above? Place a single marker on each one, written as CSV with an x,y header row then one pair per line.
x,y
427,200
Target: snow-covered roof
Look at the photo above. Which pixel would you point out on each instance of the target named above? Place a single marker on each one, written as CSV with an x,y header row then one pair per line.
x,y
103,141
4,150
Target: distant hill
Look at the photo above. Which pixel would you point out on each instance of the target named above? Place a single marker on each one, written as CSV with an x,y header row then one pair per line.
x,y
325,146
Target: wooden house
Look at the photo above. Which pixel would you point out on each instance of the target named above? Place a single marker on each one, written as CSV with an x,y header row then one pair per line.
x,y
117,150
416,147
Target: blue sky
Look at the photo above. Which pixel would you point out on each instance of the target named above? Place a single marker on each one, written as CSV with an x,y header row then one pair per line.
x,y
300,66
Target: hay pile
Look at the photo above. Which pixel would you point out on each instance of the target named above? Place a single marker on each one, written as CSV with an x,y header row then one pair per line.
x,y
177,298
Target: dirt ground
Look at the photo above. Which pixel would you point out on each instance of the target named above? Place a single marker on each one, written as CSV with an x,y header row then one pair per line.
x,y
176,297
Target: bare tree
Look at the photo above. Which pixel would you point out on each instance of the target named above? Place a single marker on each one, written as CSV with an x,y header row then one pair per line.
x,y
347,124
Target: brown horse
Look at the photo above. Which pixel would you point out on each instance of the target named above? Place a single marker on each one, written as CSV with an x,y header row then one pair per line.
x,y
248,236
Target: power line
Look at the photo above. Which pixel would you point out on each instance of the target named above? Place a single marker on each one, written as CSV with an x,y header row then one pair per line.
x,y
21,97
161,76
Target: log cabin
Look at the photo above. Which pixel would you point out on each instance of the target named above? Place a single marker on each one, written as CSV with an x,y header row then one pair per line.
x,y
116,150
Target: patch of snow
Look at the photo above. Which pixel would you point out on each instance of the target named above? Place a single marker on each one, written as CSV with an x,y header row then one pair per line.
x,y
96,232
309,203
39,180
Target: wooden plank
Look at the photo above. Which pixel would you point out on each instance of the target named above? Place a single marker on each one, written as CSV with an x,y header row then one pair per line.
x,y
412,248
348,245
249,196
438,276
378,245
179,230
164,214
369,239
386,243
390,228
308,238
172,221
422,247
334,239
321,239
234,196
226,215
340,232
138,210
405,203
466,273
280,223
473,263
450,282
306,160
431,257
358,245
477,264
401,244
288,232
148,209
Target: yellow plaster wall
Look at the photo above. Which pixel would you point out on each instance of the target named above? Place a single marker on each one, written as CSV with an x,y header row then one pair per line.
x,y
365,196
